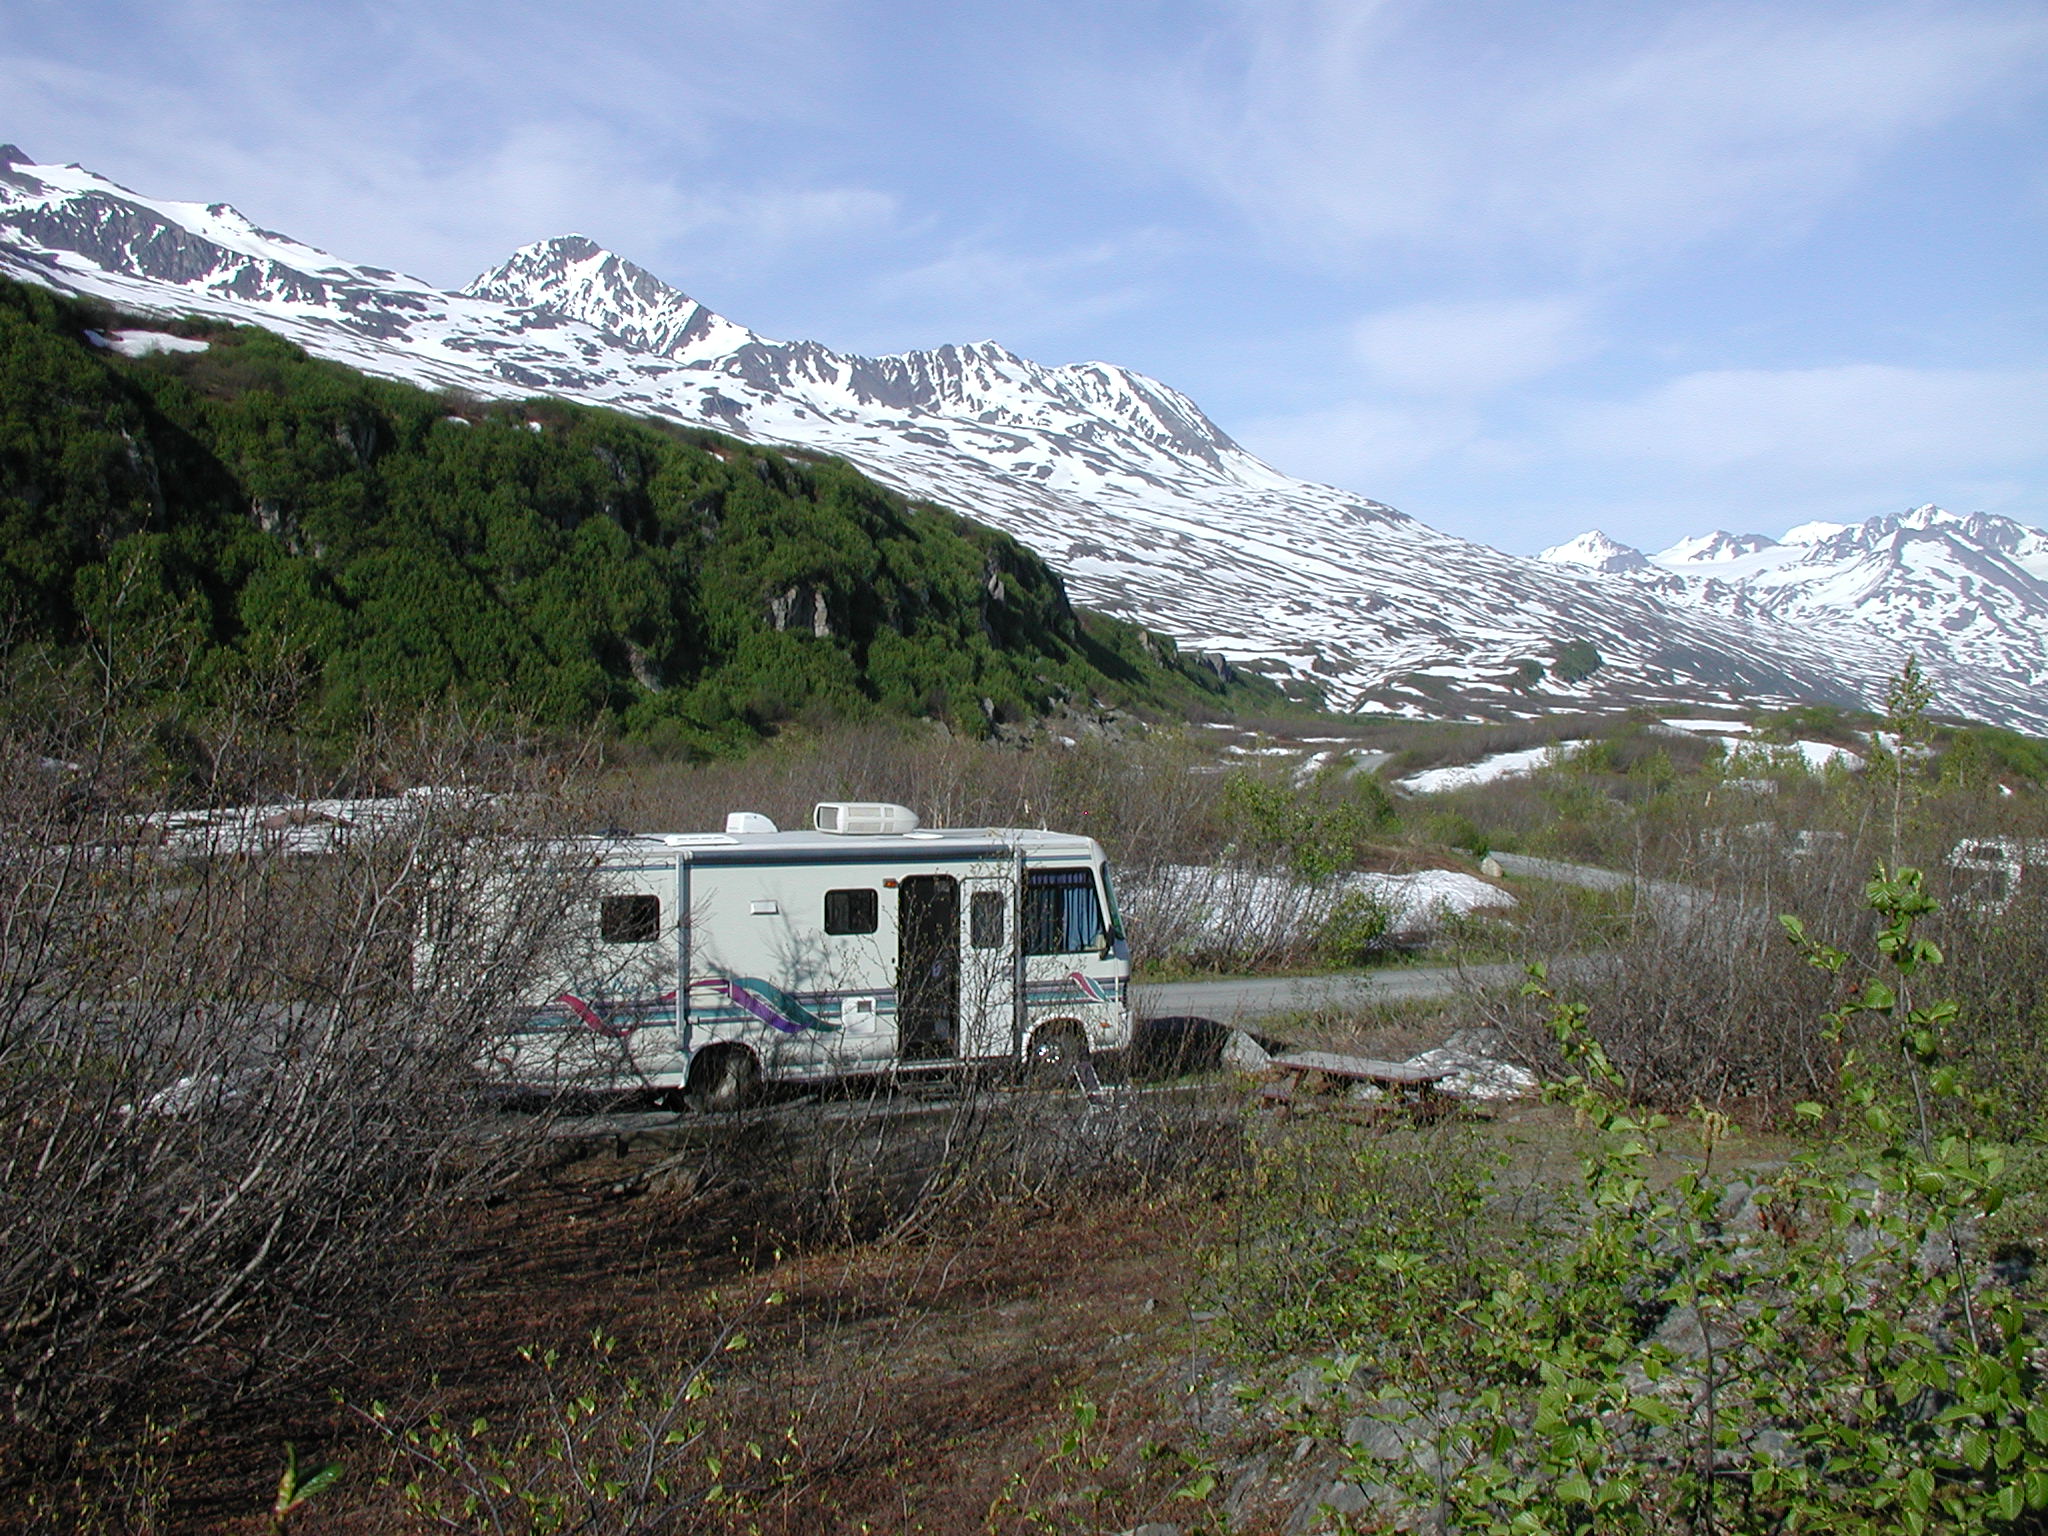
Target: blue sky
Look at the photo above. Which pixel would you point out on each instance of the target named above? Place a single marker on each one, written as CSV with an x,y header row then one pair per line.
x,y
1518,267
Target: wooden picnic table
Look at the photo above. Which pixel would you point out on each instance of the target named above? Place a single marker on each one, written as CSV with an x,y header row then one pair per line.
x,y
1410,1090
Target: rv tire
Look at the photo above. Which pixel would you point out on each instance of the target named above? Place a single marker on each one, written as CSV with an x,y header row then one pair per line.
x,y
1054,1053
722,1078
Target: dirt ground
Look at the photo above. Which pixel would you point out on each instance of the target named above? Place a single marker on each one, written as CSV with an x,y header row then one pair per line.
x,y
1014,1365
1024,1353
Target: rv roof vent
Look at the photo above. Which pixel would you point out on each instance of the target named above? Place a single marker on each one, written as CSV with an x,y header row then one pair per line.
x,y
864,818
737,822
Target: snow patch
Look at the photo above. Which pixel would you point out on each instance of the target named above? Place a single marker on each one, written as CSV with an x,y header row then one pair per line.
x,y
1721,728
1813,756
1813,533
1501,765
1473,1076
1193,908
143,343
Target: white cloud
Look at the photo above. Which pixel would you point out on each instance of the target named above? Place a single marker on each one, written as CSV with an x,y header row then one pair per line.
x,y
437,139
1855,419
1360,445
1471,348
1015,295
1746,449
1586,134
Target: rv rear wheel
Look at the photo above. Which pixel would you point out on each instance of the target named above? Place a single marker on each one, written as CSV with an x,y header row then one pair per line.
x,y
723,1078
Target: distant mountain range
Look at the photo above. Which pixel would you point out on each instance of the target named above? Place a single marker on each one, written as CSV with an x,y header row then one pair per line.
x,y
1146,506
1968,592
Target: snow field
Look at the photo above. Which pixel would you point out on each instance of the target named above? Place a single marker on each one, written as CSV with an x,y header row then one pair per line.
x,y
1239,910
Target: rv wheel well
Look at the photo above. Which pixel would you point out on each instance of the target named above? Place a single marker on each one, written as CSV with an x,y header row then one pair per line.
x,y
1056,1045
723,1076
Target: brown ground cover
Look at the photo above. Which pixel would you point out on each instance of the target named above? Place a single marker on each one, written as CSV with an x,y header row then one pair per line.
x,y
933,1382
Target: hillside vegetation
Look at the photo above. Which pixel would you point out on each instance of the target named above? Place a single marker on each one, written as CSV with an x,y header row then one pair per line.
x,y
203,520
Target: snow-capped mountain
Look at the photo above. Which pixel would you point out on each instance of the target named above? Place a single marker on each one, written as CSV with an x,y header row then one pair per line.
x,y
1966,591
1595,551
1149,509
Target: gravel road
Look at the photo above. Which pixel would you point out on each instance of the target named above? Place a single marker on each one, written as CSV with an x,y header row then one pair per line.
x,y
1267,996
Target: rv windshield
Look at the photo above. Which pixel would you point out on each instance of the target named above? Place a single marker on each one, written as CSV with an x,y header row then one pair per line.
x,y
1116,917
1061,915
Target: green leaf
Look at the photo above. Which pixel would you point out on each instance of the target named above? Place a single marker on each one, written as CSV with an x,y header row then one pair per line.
x,y
2037,1490
1919,1489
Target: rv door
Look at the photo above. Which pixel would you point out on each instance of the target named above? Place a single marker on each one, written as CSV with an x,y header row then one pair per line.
x,y
988,969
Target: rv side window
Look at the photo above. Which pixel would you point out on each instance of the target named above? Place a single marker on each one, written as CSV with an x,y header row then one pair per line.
x,y
1061,914
629,919
985,920
852,911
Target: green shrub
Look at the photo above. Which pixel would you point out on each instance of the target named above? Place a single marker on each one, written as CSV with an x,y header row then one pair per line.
x,y
1834,1349
1355,930
1453,829
1576,661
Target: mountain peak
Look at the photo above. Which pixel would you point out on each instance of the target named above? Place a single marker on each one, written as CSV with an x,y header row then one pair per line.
x,y
1813,533
575,276
1595,551
554,261
569,247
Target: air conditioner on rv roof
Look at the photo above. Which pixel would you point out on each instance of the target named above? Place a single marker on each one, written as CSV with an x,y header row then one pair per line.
x,y
864,818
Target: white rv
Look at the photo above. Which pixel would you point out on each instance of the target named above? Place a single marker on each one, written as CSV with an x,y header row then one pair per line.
x,y
709,962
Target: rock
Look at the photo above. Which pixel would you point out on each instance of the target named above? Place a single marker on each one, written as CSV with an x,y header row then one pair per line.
x,y
1153,1528
1241,1053
1245,1489
1342,1499
1346,1499
1490,867
1393,1431
1480,1041
1774,1445
1473,1076
1308,1386
1684,1332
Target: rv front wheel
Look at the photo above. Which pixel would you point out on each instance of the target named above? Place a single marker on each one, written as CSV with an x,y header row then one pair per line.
x,y
1055,1052
722,1079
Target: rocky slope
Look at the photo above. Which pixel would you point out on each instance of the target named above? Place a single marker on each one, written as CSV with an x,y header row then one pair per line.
x,y
1148,508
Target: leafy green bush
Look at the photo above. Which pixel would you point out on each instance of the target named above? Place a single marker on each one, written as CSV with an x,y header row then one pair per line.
x,y
1355,930
1314,829
1973,756
1453,829
1835,1349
